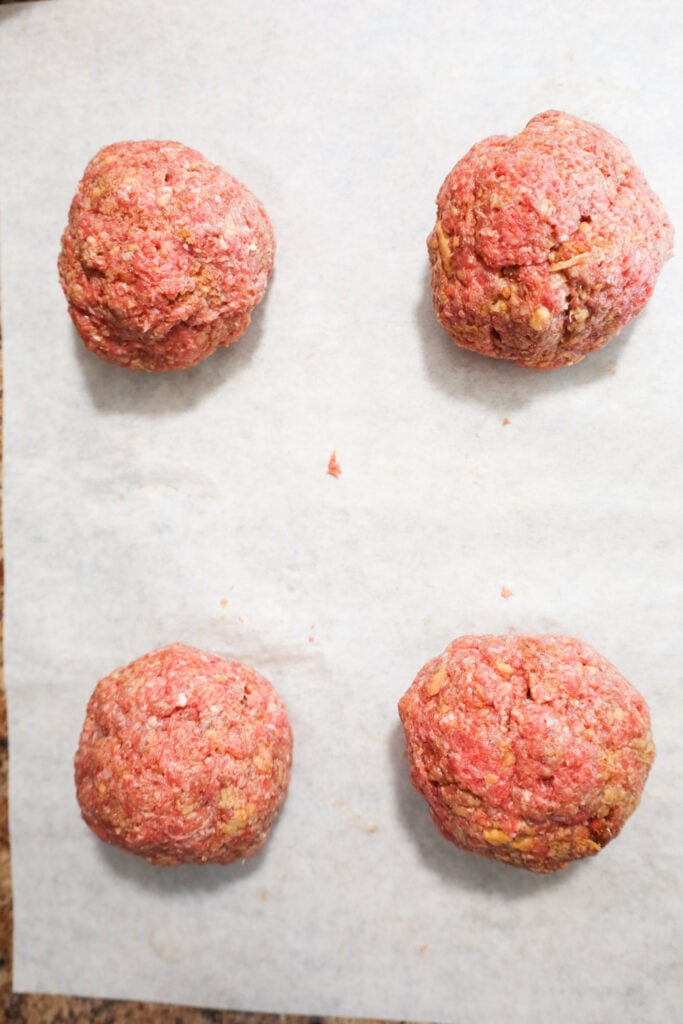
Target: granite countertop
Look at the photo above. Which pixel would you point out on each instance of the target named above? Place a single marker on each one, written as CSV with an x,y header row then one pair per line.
x,y
43,1009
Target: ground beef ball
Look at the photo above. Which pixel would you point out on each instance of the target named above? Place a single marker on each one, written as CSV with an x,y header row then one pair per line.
x,y
164,257
546,244
184,757
533,750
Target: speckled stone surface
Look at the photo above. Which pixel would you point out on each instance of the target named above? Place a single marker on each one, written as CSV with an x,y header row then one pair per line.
x,y
22,1008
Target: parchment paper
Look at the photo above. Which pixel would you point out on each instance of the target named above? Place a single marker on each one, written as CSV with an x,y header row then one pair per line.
x,y
143,509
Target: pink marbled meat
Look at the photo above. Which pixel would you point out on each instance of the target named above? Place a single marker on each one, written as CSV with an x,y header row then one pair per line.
x,y
546,244
164,257
533,750
184,757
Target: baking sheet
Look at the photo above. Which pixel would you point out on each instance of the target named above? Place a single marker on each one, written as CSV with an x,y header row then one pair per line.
x,y
141,510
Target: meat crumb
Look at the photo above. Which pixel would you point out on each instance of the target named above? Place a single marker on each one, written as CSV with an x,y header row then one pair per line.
x,y
505,592
333,467
355,818
506,421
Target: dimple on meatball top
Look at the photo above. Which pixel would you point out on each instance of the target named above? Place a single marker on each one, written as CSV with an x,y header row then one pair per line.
x,y
184,757
533,750
546,244
164,256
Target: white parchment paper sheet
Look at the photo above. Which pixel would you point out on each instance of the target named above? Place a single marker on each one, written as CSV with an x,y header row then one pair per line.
x,y
196,506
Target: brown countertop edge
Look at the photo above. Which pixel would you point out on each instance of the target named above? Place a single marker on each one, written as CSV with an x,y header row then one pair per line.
x,y
29,1008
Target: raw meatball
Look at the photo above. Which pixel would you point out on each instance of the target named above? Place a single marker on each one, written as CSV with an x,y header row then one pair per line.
x,y
164,257
533,750
184,757
546,244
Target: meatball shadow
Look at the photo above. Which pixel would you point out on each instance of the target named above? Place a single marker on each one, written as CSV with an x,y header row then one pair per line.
x,y
113,389
8,12
498,384
169,881
456,868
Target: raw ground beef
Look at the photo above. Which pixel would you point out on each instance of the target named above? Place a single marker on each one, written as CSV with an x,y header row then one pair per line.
x,y
533,750
184,757
546,244
164,257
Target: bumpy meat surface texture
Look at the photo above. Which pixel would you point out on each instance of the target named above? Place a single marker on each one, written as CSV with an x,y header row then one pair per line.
x,y
184,758
533,750
546,244
164,256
